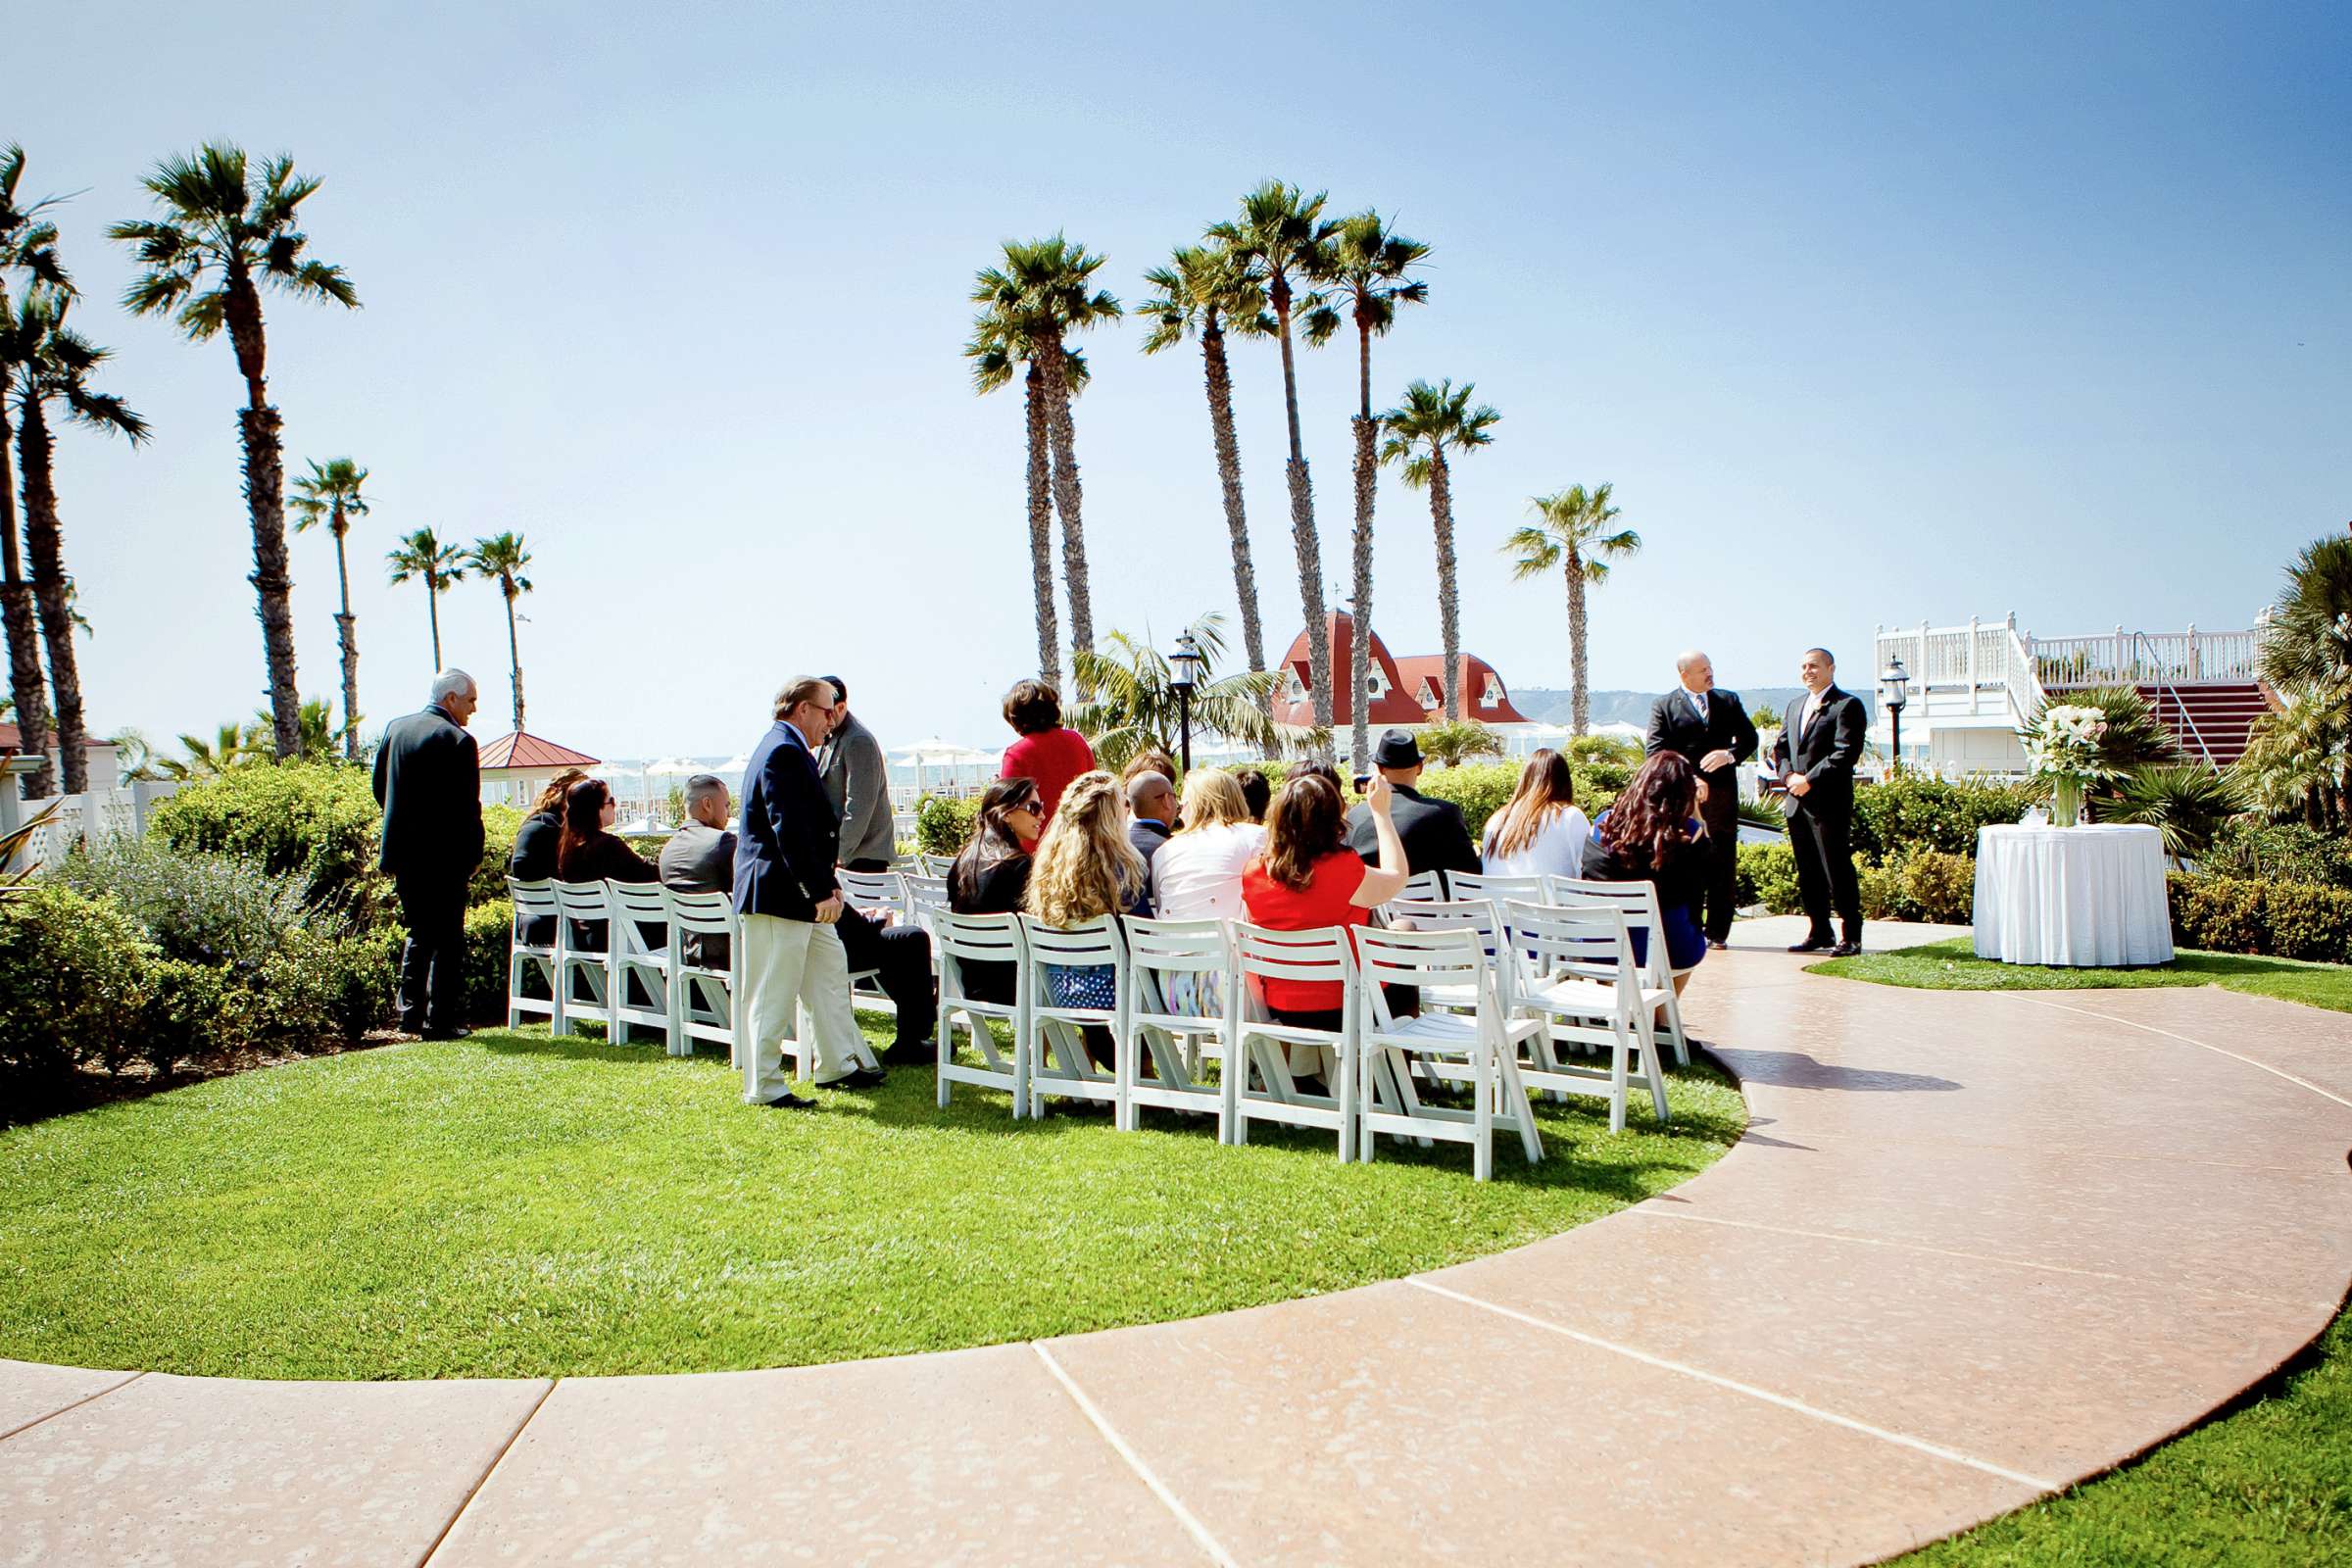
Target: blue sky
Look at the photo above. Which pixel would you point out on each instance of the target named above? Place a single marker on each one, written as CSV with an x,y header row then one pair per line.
x,y
1869,313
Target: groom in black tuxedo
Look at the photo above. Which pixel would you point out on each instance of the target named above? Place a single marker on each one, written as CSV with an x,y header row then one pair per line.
x,y
1711,730
1821,740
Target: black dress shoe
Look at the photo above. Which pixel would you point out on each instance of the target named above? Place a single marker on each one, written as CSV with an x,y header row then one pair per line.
x,y
1716,944
788,1101
1846,950
1812,945
458,1032
862,1078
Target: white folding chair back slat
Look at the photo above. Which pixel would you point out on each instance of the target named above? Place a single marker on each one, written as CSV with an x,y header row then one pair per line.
x,y
959,940
637,963
1258,1083
534,900
1176,1018
1424,887
934,864
1580,980
1058,1063
1481,1050
872,891
704,997
581,904
1468,914
1480,885
1639,901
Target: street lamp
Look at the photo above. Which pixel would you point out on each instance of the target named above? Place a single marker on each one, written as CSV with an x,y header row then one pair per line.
x,y
1188,664
1895,680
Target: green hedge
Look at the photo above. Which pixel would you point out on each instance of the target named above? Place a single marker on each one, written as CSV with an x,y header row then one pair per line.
x,y
1767,876
1914,813
943,826
2274,919
75,983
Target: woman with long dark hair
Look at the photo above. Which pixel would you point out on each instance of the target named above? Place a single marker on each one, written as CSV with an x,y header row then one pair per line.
x,y
587,851
1541,831
991,874
1652,834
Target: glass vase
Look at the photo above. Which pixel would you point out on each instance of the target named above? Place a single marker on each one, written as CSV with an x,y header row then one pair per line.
x,y
2066,806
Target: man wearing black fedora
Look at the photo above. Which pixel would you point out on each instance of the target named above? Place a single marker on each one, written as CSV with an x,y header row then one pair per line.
x,y
1436,839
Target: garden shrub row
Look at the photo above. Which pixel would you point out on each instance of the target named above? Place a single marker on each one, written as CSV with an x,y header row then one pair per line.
x,y
2281,919
1916,884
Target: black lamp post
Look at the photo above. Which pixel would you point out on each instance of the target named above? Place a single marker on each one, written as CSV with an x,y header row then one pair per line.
x,y
1895,680
1186,663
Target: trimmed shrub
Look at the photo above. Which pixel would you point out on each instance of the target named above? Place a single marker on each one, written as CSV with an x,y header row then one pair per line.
x,y
2276,919
1915,812
2283,851
488,928
197,907
500,824
1921,885
77,978
1767,876
1480,789
193,1011
941,826
325,985
312,821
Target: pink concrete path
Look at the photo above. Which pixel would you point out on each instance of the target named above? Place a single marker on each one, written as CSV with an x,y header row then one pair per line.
x,y
1972,1248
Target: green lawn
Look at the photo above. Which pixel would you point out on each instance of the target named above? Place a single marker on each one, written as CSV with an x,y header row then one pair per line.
x,y
1954,966
513,1205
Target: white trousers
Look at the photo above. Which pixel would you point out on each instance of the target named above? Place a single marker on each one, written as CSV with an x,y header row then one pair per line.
x,y
790,968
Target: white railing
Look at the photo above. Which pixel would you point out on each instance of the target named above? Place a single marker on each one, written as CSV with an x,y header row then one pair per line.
x,y
100,813
1978,671
2123,657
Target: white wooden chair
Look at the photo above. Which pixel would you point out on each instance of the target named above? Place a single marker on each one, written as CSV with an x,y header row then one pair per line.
x,y
585,903
705,998
1174,962
534,900
1583,984
934,864
1481,1050
1638,903
1464,913
1058,1063
1424,887
637,961
1260,1055
881,894
924,892
1500,888
961,938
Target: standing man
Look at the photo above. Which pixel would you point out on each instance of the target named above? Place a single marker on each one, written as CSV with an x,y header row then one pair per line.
x,y
784,889
429,780
1820,741
1436,839
858,782
1711,731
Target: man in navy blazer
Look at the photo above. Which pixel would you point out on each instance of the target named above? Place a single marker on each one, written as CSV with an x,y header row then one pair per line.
x,y
1820,741
793,959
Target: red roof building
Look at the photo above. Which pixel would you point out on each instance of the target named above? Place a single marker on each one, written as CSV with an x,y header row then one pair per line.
x,y
1404,693
517,766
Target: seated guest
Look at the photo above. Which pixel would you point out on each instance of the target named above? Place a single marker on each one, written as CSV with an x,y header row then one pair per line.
x,y
587,852
1652,834
991,874
1255,790
1435,836
1322,771
1197,874
1086,869
1151,812
1047,752
1539,831
534,855
700,857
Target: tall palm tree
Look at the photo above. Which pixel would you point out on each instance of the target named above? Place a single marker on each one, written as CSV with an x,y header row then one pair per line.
x,y
206,758
225,232
999,345
1430,422
1046,291
1367,275
503,557
2306,648
27,260
332,495
1204,289
58,371
1282,235
1572,532
1135,706
421,557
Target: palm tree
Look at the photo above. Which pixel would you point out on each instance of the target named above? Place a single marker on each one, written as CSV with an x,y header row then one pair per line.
x,y
332,495
1456,740
2291,760
320,736
1432,422
999,344
28,254
1367,273
58,371
421,557
503,557
1135,708
232,234
2306,643
1043,294
1573,534
1204,289
1282,234
206,758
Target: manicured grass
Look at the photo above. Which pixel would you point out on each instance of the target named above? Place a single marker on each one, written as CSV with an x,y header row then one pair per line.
x,y
513,1205
1954,966
2272,1484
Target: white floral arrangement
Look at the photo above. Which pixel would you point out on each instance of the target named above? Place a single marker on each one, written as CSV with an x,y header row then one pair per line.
x,y
2063,742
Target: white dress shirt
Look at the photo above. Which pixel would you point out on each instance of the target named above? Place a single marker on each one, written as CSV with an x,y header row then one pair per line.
x,y
1197,875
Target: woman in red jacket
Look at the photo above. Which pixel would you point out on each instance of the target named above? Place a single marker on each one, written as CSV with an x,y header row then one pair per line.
x,y
1046,750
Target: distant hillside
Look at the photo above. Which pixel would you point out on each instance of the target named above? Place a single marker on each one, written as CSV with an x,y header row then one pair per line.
x,y
1547,705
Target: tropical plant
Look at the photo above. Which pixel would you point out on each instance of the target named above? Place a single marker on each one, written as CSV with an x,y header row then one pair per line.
x,y
421,557
1455,741
1282,235
204,759
56,369
321,736
229,230
503,557
1205,290
2292,759
1573,534
1000,344
2187,803
2131,736
1135,707
1430,422
29,260
1366,275
2306,643
333,494
14,841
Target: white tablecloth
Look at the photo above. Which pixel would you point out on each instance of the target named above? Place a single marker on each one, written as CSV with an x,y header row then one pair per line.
x,y
2083,897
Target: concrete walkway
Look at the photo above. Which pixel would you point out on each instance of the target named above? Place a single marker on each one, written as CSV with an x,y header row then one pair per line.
x,y
1973,1248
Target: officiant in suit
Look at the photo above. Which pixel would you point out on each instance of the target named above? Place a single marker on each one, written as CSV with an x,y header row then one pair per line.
x,y
1820,741
1711,731
429,780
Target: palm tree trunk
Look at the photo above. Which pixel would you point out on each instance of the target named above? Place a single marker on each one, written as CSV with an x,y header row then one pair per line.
x,y
1041,533
15,610
1068,502
347,633
257,425
1303,528
514,656
1229,481
1449,602
1580,698
432,615
1359,659
45,555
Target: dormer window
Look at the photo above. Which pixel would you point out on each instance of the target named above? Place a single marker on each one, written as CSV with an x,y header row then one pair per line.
x,y
1494,694
1429,696
1376,684
1291,689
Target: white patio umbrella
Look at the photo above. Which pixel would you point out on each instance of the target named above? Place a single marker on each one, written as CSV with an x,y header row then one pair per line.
x,y
939,752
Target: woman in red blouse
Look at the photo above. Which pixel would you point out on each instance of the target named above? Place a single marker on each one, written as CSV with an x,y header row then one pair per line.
x,y
1307,877
1046,750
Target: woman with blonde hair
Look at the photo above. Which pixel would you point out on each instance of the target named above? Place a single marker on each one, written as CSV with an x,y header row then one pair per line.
x,y
1197,875
1541,831
1085,868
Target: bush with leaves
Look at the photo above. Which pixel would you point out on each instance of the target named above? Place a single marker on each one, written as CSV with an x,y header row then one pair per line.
x,y
198,908
488,926
1614,748
2187,803
941,826
1453,742
2278,852
2277,919
1922,884
76,982
314,821
1767,876
1913,811
325,985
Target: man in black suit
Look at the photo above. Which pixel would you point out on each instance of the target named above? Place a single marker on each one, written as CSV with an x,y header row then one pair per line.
x,y
1820,741
1436,839
429,780
1710,729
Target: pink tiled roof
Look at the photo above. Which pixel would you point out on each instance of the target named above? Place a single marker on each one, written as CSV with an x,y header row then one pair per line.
x,y
523,749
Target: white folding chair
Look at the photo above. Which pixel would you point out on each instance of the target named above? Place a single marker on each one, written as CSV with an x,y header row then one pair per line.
x,y
1260,1053
1481,1050
881,894
1580,979
638,961
997,939
534,900
1638,903
934,864
706,997
924,892
1464,913
1177,1016
1424,887
1500,888
1058,1062
584,902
